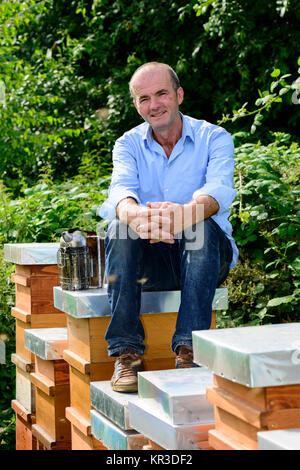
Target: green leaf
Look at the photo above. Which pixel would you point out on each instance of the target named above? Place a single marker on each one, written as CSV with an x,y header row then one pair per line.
x,y
283,91
263,216
280,300
259,288
275,73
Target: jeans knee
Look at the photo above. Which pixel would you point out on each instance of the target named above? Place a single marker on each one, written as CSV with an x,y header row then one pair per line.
x,y
200,237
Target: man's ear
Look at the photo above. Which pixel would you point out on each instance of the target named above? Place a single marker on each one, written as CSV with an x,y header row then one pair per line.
x,y
135,105
180,95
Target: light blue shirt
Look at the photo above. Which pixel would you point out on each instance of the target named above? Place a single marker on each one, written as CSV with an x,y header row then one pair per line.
x,y
202,162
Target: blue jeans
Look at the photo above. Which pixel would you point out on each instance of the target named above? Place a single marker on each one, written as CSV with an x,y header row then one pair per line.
x,y
197,272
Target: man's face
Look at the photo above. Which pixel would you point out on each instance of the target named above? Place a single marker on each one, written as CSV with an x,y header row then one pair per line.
x,y
155,98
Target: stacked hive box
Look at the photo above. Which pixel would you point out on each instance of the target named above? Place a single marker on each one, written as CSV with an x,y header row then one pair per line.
x,y
172,410
52,391
110,420
35,276
88,316
256,381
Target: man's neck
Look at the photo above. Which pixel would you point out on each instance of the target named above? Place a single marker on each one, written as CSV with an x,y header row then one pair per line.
x,y
169,137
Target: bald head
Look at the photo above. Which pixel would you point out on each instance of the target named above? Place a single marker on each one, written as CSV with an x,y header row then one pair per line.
x,y
153,65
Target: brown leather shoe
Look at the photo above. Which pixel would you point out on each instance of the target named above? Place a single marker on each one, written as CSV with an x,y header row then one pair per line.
x,y
184,358
125,378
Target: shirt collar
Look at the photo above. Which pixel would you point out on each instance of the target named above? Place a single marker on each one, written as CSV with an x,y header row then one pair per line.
x,y
186,131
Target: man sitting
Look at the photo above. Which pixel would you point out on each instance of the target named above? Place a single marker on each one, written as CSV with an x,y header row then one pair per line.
x,y
168,205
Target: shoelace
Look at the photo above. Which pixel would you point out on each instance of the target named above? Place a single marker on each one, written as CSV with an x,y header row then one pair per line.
x,y
125,364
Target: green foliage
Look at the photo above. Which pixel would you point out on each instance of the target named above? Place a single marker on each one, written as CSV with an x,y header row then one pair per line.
x,y
61,62
266,222
47,209
7,371
267,99
44,103
64,73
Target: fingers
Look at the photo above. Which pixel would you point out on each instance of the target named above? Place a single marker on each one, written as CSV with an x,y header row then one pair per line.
x,y
156,221
171,241
149,212
158,205
153,231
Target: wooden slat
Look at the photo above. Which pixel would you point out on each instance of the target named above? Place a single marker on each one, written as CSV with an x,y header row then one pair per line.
x,y
50,413
282,419
25,394
235,405
44,384
22,363
213,324
255,395
38,298
20,279
159,364
48,320
37,270
24,438
159,329
82,442
283,397
80,385
45,369
81,423
21,411
47,441
21,315
45,413
42,436
20,326
237,429
79,337
76,361
219,441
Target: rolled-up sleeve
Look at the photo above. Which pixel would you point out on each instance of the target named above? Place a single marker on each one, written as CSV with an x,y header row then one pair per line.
x,y
124,180
220,169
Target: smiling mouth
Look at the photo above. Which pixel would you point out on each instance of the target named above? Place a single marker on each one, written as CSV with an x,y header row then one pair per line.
x,y
157,115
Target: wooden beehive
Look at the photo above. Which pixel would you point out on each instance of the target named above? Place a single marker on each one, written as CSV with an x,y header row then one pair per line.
x,y
256,381
35,276
52,387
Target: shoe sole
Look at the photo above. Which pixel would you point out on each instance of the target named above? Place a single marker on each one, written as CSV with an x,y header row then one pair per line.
x,y
124,388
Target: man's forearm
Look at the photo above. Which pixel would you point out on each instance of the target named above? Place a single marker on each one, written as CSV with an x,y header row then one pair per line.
x,y
127,209
199,209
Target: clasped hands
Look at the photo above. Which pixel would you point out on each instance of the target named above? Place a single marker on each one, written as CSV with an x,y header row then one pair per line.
x,y
162,221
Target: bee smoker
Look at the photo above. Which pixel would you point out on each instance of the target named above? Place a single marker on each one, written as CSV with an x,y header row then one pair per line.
x,y
80,260
73,261
96,247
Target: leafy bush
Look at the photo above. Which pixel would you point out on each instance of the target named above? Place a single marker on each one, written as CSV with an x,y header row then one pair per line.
x,y
47,209
64,72
61,62
264,286
7,370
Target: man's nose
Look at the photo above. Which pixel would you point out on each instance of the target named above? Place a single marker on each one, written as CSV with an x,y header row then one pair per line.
x,y
154,102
